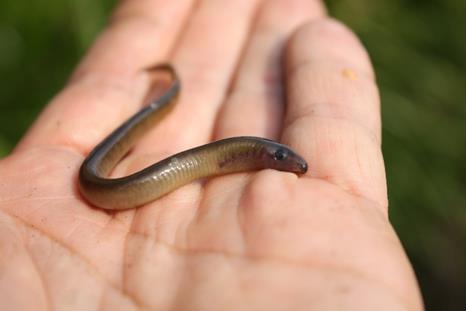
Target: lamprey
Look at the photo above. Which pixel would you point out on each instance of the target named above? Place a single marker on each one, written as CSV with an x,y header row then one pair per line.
x,y
236,154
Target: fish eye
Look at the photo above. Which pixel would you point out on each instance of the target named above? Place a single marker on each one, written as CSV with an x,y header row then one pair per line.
x,y
280,154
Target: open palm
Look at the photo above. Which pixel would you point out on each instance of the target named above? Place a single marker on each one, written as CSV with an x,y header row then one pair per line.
x,y
265,240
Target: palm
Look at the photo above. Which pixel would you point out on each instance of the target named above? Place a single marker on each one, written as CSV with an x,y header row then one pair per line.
x,y
231,242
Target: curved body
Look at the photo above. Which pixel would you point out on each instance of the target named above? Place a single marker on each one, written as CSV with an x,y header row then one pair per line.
x,y
236,154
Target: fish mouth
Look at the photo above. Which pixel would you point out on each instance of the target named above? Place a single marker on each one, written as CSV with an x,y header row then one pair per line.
x,y
301,167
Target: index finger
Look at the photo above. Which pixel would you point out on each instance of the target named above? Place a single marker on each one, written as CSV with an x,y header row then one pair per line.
x,y
333,113
108,86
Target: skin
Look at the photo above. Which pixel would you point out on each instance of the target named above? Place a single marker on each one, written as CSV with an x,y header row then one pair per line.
x,y
264,241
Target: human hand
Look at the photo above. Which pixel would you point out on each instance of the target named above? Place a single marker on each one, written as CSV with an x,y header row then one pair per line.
x,y
265,240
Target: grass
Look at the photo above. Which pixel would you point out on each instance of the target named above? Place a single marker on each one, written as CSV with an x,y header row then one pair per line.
x,y
418,50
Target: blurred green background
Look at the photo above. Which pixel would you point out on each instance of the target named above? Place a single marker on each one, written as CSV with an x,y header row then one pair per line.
x,y
419,52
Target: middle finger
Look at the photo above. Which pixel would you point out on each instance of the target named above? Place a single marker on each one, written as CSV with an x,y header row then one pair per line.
x,y
255,104
205,57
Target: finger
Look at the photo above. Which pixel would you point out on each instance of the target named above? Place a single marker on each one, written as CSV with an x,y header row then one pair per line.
x,y
107,87
333,115
139,34
205,57
255,104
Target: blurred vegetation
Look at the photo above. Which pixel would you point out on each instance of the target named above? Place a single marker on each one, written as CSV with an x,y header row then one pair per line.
x,y
418,49
40,42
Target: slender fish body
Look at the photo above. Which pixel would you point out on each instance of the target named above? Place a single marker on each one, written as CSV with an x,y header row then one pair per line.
x,y
236,154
